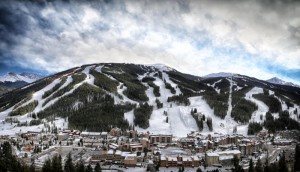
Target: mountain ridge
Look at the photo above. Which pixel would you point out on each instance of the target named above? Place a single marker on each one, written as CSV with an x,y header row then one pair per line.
x,y
279,81
155,98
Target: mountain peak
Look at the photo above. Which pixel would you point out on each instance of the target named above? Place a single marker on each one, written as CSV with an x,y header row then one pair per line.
x,y
279,81
26,77
220,74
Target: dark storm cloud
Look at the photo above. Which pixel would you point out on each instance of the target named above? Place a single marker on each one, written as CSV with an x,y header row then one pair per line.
x,y
210,36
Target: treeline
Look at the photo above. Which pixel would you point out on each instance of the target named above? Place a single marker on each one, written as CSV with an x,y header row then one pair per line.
x,y
135,90
199,120
77,78
55,165
282,123
236,96
169,86
242,111
9,162
272,102
179,99
13,97
56,87
150,82
155,89
104,82
89,108
254,128
218,102
24,109
142,115
127,74
188,84
159,104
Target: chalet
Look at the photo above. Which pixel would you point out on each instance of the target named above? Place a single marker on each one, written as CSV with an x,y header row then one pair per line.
x,y
98,155
130,160
211,158
182,160
110,154
160,138
133,147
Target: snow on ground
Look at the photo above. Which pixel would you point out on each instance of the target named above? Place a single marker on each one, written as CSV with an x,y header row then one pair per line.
x,y
89,78
41,101
8,129
178,116
166,77
99,68
230,123
121,87
11,129
213,86
129,116
61,123
161,67
262,107
180,121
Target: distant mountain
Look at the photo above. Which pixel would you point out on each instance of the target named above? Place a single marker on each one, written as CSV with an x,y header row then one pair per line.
x,y
276,80
26,77
220,74
12,80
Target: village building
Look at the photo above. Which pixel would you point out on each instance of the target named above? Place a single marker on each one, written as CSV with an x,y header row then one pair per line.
x,y
160,138
130,160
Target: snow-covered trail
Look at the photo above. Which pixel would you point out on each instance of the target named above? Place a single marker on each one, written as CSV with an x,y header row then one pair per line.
x,y
229,122
262,107
167,78
39,108
180,121
89,78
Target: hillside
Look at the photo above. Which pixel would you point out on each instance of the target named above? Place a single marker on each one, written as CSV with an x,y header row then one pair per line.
x,y
153,98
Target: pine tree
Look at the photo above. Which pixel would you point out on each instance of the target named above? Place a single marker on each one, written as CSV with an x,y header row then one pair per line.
x,y
69,166
97,167
47,166
251,168
89,168
199,170
237,167
282,164
80,167
56,164
297,158
258,167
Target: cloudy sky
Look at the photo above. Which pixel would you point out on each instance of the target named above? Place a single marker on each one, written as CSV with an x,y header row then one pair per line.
x,y
255,38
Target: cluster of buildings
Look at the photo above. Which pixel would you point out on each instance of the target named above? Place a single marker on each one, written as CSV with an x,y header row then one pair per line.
x,y
133,149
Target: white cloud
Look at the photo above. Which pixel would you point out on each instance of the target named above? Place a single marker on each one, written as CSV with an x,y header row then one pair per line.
x,y
197,37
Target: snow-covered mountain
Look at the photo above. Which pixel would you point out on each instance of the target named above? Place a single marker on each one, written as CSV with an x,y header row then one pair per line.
x,y
26,77
276,80
153,98
220,74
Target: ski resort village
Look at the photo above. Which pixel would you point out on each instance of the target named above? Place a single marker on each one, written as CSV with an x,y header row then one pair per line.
x,y
128,117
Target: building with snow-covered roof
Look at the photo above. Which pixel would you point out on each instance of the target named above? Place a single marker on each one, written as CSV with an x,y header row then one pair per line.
x,y
90,134
160,138
130,160
182,160
98,155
